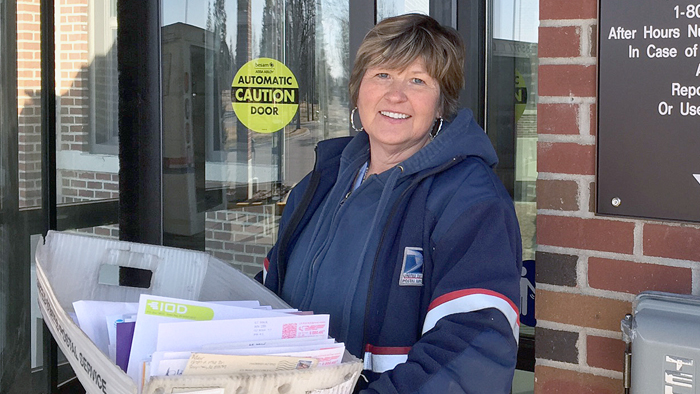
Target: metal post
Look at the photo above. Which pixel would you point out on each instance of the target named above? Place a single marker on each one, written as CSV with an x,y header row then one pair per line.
x,y
48,168
140,134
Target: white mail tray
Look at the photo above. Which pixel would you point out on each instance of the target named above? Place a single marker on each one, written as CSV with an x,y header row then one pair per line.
x,y
68,270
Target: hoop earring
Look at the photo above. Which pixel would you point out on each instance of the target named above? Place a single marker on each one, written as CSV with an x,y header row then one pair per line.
x,y
439,128
352,121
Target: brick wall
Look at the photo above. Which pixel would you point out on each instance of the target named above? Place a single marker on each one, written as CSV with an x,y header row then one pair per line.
x,y
72,70
29,102
589,268
242,237
79,186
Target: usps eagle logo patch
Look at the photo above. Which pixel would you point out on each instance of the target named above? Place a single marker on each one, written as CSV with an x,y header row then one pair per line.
x,y
412,268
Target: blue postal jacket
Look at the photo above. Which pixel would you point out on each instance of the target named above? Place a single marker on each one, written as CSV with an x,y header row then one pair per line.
x,y
419,267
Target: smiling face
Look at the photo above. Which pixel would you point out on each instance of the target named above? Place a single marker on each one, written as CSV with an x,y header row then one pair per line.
x,y
398,107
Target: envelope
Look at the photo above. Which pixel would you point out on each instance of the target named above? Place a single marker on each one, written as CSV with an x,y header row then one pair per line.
x,y
92,319
154,310
216,364
190,335
165,363
214,347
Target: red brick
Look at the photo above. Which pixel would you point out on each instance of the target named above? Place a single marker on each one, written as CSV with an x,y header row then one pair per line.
x,y
28,46
222,256
594,120
559,42
566,158
557,194
86,193
556,345
102,231
591,234
558,9
222,236
581,310
561,381
567,80
243,238
556,269
606,353
630,277
676,242
557,119
28,7
25,17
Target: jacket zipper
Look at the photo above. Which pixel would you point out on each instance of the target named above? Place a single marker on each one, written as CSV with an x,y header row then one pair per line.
x,y
312,267
413,185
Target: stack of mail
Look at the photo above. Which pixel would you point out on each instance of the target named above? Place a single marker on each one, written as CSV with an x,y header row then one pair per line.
x,y
163,336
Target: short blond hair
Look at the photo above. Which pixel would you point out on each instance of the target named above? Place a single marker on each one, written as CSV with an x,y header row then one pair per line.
x,y
398,41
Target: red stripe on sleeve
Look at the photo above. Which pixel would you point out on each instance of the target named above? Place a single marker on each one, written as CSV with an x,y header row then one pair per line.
x,y
462,293
383,350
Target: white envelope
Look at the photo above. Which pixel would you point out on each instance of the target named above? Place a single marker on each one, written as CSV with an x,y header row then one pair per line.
x,y
92,319
243,304
154,310
195,334
168,363
326,356
211,348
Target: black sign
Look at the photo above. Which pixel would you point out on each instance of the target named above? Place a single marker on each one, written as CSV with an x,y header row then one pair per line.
x,y
649,109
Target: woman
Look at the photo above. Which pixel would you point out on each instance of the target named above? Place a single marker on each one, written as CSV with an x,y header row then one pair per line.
x,y
403,233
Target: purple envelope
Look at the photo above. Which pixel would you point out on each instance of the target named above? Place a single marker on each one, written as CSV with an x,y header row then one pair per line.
x,y
125,333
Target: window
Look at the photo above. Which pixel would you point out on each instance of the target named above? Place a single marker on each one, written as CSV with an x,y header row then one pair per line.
x,y
511,123
224,184
387,8
103,77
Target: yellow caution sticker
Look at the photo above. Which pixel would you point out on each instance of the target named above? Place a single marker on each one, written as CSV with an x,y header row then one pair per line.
x,y
265,95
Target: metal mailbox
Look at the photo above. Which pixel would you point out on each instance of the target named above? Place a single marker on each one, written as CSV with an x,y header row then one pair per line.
x,y
663,344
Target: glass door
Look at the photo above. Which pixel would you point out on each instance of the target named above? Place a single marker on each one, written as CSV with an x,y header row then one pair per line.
x,y
249,88
511,123
14,348
58,163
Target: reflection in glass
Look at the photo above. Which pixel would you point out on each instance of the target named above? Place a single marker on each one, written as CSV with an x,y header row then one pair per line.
x,y
86,106
87,99
512,127
104,79
523,382
387,8
516,20
28,77
512,107
87,102
224,184
14,301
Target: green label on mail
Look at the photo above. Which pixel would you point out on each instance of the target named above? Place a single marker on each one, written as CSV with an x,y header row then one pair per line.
x,y
179,311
